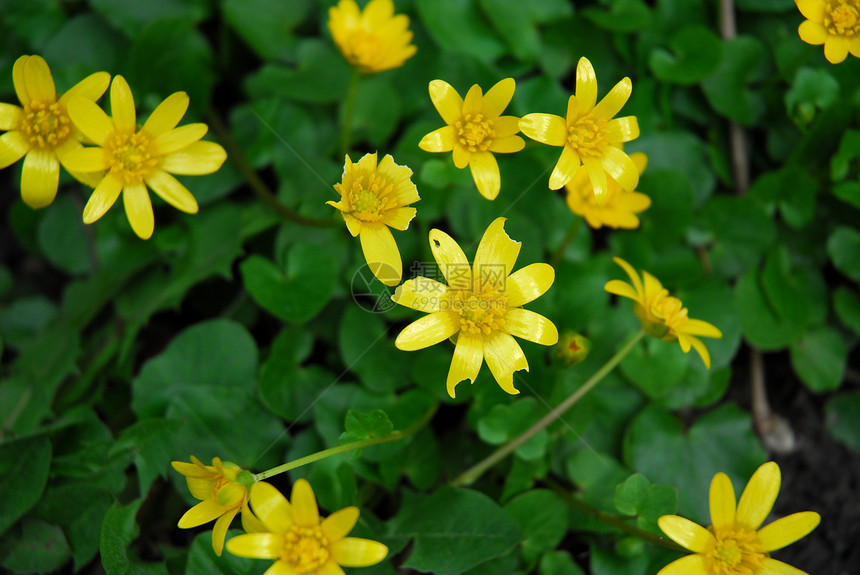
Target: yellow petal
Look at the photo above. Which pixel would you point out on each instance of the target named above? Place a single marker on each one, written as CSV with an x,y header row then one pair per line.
x,y
774,567
19,81
399,218
565,169
40,83
586,85
451,259
420,294
496,256
504,356
122,106
621,168
40,178
92,88
197,159
759,495
200,488
621,288
546,128
172,192
787,530
13,146
447,101
203,512
353,224
640,160
836,48
812,9
10,116
854,47
330,567
528,284
271,507
485,172
634,277
429,330
219,531
461,156
685,533
86,160
441,140
506,126
381,253
473,102
90,120
498,97
622,130
257,545
652,286
701,328
138,209
531,326
305,511
167,115
281,567
722,501
468,357
689,565
507,145
377,13
612,103
338,525
355,552
597,176
178,139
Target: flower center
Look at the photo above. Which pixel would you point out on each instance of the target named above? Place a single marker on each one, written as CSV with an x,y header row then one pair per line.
x,y
370,196
46,125
842,17
363,48
305,549
130,156
588,137
475,132
737,552
482,311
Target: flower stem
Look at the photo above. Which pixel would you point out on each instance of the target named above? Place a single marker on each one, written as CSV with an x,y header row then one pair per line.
x,y
347,447
234,152
348,109
571,234
473,473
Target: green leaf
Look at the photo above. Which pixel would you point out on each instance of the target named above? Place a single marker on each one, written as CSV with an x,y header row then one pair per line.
x,y
797,294
467,34
843,247
636,496
82,46
377,112
792,189
766,5
504,422
819,358
681,152
542,518
558,563
203,561
367,351
516,22
150,443
453,530
596,475
78,508
359,425
762,326
696,52
132,17
742,231
840,165
847,305
848,192
26,317
296,293
24,468
745,60
672,201
36,21
842,417
39,547
622,16
655,367
266,25
812,90
119,529
322,76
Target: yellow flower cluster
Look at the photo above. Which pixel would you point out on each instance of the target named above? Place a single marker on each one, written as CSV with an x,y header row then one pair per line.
x,y
48,132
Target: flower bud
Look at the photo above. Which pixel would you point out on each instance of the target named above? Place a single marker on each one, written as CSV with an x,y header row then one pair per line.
x,y
572,348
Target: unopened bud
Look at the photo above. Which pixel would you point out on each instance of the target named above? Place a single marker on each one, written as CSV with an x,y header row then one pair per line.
x,y
572,348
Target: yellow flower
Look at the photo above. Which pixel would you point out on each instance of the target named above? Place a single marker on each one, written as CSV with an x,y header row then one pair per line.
x,y
589,134
619,207
475,131
734,544
372,198
480,305
834,23
136,157
662,315
40,131
373,40
222,496
298,541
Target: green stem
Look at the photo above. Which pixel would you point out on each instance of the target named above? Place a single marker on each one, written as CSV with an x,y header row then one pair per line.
x,y
473,473
319,455
234,152
348,109
571,233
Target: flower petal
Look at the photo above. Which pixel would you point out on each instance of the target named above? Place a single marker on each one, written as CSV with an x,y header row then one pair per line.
x,y
92,88
505,126
507,145
399,218
461,156
473,102
545,128
685,533
122,106
722,501
103,198
612,103
257,545
688,565
219,531
634,278
586,85
355,552
702,328
485,172
451,260
759,495
504,356
280,567
39,178
197,159
428,330
531,326
420,294
90,120
496,256
203,512
250,522
19,81
774,567
622,130
528,284
13,146
200,488
565,169
621,168
381,253
441,140
271,507
498,97
621,288
138,209
178,139
305,510
330,567
353,224
812,9
468,357
172,192
338,525
40,83
10,116
787,530
447,101
597,176
167,115
86,160
836,48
